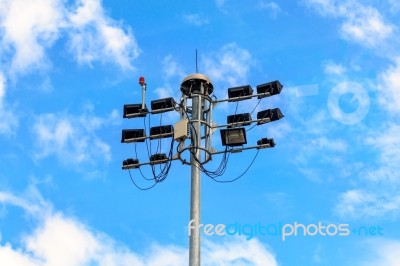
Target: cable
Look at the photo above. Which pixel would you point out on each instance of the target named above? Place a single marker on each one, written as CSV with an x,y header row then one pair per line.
x,y
160,177
137,185
194,140
140,170
147,145
245,171
193,149
259,100
251,128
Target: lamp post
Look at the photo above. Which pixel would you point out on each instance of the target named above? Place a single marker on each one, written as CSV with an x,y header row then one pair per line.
x,y
195,185
197,127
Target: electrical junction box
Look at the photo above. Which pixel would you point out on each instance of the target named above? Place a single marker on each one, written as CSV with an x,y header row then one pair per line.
x,y
181,130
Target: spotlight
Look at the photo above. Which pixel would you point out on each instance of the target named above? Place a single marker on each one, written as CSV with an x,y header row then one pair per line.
x,y
240,93
135,110
133,135
162,105
239,120
130,163
269,89
233,136
158,158
265,143
161,132
269,115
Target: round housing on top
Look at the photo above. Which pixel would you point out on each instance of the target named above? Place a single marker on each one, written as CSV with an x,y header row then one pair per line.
x,y
192,83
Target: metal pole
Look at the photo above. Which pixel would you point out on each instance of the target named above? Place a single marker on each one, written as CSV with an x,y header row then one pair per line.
x,y
143,96
197,114
195,86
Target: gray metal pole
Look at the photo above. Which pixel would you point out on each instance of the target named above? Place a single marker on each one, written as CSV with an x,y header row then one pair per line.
x,y
197,114
195,86
143,96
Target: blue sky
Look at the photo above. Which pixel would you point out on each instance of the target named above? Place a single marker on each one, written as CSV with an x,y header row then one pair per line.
x,y
67,68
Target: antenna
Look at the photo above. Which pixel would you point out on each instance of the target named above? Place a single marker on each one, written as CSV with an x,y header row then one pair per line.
x,y
197,70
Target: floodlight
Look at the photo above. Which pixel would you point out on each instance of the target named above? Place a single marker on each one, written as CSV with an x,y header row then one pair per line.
x,y
135,110
233,136
161,132
269,89
266,143
130,163
158,158
162,105
239,119
133,135
239,93
269,115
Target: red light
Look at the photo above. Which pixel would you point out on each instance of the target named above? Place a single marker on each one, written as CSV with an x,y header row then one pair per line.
x,y
141,81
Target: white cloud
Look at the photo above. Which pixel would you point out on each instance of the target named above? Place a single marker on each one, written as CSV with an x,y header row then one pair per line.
x,y
8,122
361,23
220,3
8,119
333,145
238,253
25,202
368,27
195,19
389,89
71,138
387,142
30,27
365,204
96,37
171,68
280,131
394,5
61,240
332,68
313,142
230,64
164,92
273,8
377,192
2,87
383,252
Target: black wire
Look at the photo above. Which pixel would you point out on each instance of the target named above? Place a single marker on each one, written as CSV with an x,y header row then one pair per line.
x,y
220,169
147,145
140,170
251,128
233,180
160,177
222,166
159,140
139,186
237,122
259,100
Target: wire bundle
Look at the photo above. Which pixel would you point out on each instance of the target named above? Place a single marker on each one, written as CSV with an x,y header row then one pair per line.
x,y
161,175
163,171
